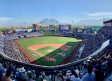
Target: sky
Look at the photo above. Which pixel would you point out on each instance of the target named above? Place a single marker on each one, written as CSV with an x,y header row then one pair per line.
x,y
15,12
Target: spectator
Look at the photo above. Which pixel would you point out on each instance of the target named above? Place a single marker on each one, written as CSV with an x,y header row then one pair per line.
x,y
21,75
76,70
30,77
68,73
59,74
99,63
37,76
6,77
110,62
74,76
0,71
43,74
4,69
34,75
89,76
84,70
93,62
99,74
104,64
63,75
11,67
67,77
13,77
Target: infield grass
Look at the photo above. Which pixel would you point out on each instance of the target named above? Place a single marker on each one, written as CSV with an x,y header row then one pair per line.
x,y
25,43
45,50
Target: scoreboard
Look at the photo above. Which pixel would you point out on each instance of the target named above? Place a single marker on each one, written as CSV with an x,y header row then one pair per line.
x,y
64,27
37,28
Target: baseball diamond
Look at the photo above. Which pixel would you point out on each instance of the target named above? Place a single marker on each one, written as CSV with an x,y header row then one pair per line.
x,y
48,51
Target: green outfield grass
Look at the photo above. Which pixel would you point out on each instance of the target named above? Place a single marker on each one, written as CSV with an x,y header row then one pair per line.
x,y
49,33
25,43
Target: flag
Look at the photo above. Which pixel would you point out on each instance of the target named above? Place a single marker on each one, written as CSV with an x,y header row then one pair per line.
x,y
5,32
10,32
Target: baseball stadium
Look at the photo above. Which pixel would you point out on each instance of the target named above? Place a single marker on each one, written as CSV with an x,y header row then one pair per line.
x,y
52,50
55,40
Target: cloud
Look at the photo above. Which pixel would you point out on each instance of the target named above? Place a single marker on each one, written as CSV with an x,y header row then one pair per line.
x,y
98,22
5,19
99,14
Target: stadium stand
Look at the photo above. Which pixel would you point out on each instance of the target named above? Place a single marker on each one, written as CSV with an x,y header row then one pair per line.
x,y
2,37
92,44
12,50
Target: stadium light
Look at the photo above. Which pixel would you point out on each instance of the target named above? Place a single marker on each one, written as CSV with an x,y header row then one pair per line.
x,y
56,23
24,23
72,22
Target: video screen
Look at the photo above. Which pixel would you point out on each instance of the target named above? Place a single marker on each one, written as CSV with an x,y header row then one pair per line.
x,y
37,28
64,27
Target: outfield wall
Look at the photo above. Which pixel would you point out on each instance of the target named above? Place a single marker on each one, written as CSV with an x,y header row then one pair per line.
x,y
5,57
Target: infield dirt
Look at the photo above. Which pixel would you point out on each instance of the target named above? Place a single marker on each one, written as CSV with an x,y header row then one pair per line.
x,y
36,47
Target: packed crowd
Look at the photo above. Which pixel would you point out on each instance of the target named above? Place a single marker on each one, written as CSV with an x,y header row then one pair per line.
x,y
96,68
24,35
93,43
13,72
33,34
12,50
2,37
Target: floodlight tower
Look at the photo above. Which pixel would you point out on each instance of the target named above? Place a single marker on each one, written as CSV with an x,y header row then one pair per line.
x,y
73,22
56,23
24,23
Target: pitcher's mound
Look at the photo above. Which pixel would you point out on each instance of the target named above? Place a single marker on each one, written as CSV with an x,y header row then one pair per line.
x,y
49,50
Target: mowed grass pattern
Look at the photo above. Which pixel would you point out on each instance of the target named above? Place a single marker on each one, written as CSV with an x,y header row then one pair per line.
x,y
25,43
45,50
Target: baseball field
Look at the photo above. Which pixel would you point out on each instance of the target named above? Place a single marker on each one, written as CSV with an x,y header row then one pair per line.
x,y
48,51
